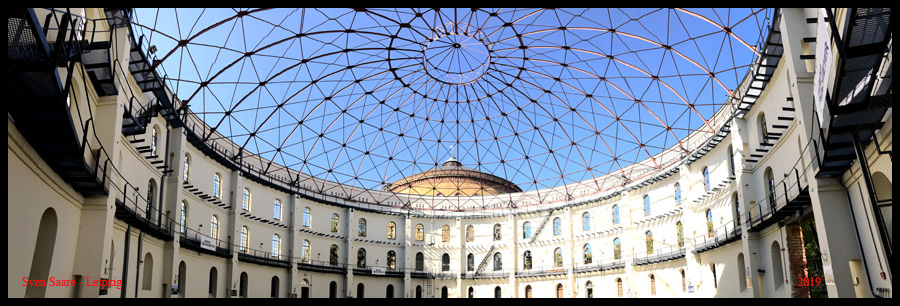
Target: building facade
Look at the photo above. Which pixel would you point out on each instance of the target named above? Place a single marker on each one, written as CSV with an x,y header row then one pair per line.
x,y
109,183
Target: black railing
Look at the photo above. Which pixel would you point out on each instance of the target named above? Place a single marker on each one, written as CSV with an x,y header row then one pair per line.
x,y
264,258
784,192
542,271
658,255
192,239
600,265
726,233
486,274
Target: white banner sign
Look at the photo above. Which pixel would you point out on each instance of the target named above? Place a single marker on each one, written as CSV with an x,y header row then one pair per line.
x,y
377,271
823,65
207,243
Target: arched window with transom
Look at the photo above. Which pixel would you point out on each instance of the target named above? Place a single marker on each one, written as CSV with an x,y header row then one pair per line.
x,y
615,214
361,258
557,226
153,140
677,194
420,261
649,237
362,227
307,216
335,223
646,205
526,260
276,210
588,256
557,258
770,186
619,287
652,284
706,185
392,230
497,234
445,233
420,232
305,251
276,246
470,262
245,204
151,192
245,239
763,129
391,260
183,217
710,226
586,221
333,255
679,231
217,186
526,230
617,249
214,228
498,261
187,167
470,233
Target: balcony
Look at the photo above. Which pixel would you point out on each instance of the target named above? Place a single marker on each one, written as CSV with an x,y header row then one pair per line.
x,y
659,255
377,271
788,198
602,265
134,211
264,258
193,240
542,271
486,275
722,235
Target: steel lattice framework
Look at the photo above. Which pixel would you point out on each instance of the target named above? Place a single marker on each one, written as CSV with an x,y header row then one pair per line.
x,y
570,99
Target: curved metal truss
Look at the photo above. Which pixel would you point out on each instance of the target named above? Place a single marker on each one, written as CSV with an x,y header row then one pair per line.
x,y
576,100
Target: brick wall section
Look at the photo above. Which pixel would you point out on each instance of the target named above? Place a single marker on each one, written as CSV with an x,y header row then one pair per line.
x,y
797,260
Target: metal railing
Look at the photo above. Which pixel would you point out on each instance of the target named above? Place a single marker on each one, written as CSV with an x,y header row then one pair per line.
x,y
793,184
718,236
541,271
659,255
600,265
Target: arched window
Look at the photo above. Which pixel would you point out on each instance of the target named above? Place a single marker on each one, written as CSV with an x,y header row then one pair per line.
x,y
652,284
244,285
444,292
559,291
770,186
763,129
276,246
391,260
470,262
362,227
679,230
153,138
710,226
777,268
306,217
418,291
333,255
683,281
588,257
276,210
187,167
526,230
615,214
677,194
214,228
335,223
617,249
528,292
742,273
715,278
420,261
361,258
471,292
245,205
586,221
498,261
389,291
646,205
420,232
470,233
649,235
332,290
527,260
497,234
619,287
589,290
731,160
245,239
217,186
737,208
557,226
392,230
183,216
497,292
151,191
147,283
445,262
360,291
305,251
706,179
557,258
445,233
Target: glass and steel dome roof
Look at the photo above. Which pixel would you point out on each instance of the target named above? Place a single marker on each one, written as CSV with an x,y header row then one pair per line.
x,y
544,98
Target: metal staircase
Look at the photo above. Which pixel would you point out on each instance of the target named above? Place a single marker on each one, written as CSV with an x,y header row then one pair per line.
x,y
541,226
485,261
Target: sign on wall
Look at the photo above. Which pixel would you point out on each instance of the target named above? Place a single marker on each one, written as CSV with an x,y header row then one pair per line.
x,y
823,65
377,271
207,243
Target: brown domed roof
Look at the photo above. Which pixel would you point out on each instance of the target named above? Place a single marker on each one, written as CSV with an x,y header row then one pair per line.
x,y
452,179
